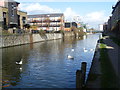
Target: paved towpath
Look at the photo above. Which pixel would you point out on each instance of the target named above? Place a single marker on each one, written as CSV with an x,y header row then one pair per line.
x,y
114,56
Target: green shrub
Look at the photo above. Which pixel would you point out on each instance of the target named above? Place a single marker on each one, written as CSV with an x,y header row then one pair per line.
x,y
42,32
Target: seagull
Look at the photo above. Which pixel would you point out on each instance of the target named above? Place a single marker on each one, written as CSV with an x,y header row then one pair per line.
x,y
70,57
19,62
85,50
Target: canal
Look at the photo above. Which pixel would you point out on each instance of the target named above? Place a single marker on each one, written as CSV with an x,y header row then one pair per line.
x,y
45,64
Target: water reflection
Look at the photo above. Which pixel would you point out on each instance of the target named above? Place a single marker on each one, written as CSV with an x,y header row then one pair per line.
x,y
45,64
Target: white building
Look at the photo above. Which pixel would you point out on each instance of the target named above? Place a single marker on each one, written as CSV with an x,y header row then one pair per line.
x,y
101,27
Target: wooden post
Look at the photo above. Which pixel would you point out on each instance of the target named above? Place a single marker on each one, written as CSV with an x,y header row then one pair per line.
x,y
83,69
78,79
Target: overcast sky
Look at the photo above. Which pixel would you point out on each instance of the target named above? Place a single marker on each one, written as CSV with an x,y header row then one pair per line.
x,y
93,13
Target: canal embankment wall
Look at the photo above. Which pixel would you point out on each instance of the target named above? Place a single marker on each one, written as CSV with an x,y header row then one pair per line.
x,y
94,80
69,34
13,40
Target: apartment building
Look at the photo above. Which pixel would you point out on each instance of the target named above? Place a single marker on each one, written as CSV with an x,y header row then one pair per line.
x,y
10,16
49,22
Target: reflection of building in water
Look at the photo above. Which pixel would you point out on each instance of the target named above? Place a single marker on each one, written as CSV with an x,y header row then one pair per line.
x,y
69,41
84,37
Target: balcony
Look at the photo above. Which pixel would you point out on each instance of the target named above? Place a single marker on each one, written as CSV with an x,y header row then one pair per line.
x,y
46,25
35,21
45,20
58,20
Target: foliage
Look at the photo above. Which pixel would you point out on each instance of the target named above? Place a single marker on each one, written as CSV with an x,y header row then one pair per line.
x,y
42,32
33,27
80,28
78,31
5,32
73,28
81,33
62,31
91,29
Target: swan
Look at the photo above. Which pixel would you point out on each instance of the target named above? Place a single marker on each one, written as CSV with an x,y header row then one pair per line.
x,y
85,50
20,62
20,68
72,50
70,57
91,49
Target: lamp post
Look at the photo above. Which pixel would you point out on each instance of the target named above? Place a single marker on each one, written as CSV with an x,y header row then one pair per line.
x,y
48,21
41,23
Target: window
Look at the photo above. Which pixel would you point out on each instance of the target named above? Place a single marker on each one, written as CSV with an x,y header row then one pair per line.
x,y
24,20
67,25
12,10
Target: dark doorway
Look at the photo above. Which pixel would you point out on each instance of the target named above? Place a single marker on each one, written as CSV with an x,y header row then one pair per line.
x,y
4,20
19,21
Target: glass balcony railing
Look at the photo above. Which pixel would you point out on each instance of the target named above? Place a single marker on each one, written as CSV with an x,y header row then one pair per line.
x,y
45,20
46,25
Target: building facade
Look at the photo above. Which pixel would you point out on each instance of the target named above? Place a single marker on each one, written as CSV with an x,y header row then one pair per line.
x,y
115,16
10,16
49,22
69,25
113,24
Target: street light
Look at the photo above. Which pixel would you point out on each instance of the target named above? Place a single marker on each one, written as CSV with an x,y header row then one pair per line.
x,y
48,21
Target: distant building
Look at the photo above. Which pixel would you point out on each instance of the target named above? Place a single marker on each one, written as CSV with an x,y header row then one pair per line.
x,y
101,27
68,25
10,16
48,22
105,27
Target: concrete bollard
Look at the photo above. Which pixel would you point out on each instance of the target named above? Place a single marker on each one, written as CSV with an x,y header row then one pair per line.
x,y
78,79
83,69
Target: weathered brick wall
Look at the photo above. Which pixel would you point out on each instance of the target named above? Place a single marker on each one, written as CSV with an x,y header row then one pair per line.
x,y
68,34
13,40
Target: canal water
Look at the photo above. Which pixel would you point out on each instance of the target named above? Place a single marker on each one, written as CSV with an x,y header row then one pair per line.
x,y
45,64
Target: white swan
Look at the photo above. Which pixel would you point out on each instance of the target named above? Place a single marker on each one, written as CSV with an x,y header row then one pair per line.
x,y
20,68
70,57
72,50
91,49
85,50
20,62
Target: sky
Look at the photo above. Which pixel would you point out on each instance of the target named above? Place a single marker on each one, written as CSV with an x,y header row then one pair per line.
x,y
90,12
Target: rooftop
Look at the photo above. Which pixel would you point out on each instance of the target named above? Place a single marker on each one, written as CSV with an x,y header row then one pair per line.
x,y
114,7
46,15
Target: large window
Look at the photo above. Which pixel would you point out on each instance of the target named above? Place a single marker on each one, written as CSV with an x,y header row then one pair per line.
x,y
67,25
24,20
